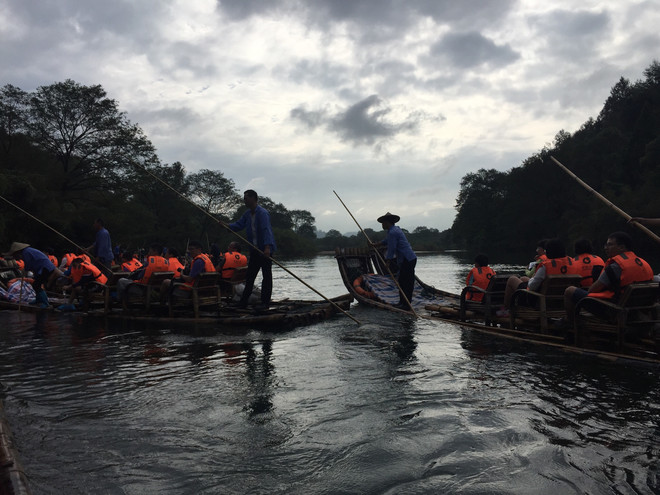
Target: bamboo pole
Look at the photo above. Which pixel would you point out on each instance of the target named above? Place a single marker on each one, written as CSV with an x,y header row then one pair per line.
x,y
107,270
380,257
249,244
607,201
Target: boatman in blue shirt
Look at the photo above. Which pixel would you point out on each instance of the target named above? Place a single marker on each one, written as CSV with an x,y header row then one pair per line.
x,y
43,270
102,247
256,222
398,247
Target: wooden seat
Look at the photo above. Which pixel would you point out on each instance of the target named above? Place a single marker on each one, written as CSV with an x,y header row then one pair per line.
x,y
227,285
493,299
541,305
144,295
204,292
629,322
96,292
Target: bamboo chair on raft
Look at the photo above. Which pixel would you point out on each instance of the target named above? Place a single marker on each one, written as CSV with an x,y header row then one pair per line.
x,y
227,285
145,295
101,294
492,300
629,324
204,292
536,308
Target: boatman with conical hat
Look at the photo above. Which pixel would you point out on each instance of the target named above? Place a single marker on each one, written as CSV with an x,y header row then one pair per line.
x,y
399,248
45,273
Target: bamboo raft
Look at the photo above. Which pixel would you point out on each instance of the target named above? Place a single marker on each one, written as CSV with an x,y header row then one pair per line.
x,y
280,314
630,331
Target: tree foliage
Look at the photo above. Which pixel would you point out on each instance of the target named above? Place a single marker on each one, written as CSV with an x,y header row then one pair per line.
x,y
83,130
214,192
618,154
68,155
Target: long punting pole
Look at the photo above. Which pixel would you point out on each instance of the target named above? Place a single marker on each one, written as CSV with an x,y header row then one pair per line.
x,y
249,243
379,257
51,228
607,201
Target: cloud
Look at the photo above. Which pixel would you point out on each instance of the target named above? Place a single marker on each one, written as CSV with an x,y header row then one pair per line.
x,y
572,36
363,123
302,97
471,50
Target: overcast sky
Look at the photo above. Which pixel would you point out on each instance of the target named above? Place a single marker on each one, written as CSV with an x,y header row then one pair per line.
x,y
388,102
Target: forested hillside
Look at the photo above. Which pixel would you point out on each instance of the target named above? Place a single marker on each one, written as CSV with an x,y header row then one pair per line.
x,y
617,153
68,156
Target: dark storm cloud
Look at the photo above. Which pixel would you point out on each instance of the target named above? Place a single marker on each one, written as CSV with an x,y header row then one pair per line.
x,y
363,123
469,50
572,36
378,19
91,16
311,119
316,73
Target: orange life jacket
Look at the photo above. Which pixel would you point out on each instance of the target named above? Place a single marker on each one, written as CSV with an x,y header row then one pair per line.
x,y
175,264
154,264
233,260
208,266
87,268
131,266
482,276
69,258
20,263
53,259
559,266
633,269
586,263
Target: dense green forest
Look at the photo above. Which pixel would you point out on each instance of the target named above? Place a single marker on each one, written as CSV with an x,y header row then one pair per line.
x,y
617,154
68,155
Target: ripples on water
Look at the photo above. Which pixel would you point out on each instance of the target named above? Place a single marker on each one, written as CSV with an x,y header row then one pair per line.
x,y
391,406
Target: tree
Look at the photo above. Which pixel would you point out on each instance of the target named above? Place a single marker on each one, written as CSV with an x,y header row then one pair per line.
x,y
280,217
92,141
214,192
13,114
307,231
302,219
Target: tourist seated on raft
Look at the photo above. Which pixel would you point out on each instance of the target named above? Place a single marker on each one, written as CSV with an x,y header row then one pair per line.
x,y
589,265
479,276
68,258
129,262
652,222
82,273
176,266
231,260
622,268
50,252
43,271
155,263
201,263
556,263
538,259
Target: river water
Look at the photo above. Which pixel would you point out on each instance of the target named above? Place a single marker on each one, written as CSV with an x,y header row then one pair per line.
x,y
394,405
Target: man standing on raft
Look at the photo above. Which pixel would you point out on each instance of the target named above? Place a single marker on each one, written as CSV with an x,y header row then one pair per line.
x,y
398,247
256,222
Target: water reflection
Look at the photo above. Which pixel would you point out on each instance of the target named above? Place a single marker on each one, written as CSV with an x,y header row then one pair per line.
x,y
259,371
588,408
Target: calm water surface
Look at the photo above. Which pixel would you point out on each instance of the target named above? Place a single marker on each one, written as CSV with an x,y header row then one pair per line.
x,y
391,406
